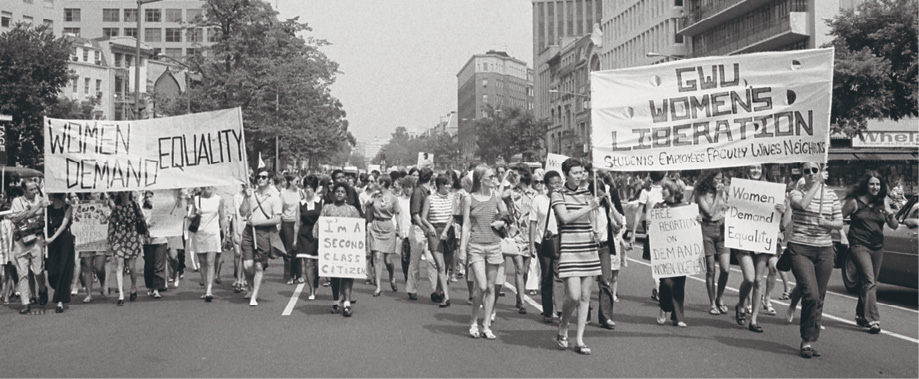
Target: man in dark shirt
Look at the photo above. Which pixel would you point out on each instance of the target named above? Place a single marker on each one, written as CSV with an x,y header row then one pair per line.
x,y
417,237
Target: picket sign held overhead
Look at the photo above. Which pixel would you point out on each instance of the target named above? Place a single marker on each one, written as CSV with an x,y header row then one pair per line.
x,y
342,242
554,163
425,160
194,150
751,220
713,112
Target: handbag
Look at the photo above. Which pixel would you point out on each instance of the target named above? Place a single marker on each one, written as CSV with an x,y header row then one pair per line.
x,y
195,221
141,223
550,245
784,262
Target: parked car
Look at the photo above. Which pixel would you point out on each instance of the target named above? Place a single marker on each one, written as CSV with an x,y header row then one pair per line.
x,y
901,250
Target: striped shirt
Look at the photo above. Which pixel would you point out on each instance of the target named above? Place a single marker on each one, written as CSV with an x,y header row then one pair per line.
x,y
441,208
481,215
578,253
805,227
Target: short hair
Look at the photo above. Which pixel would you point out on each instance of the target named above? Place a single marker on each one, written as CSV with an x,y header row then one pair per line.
x,y
385,181
442,180
526,176
335,173
674,187
414,170
425,175
657,176
311,181
408,181
396,175
570,163
290,178
549,175
336,186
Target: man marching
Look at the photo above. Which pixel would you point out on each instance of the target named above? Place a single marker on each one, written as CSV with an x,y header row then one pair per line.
x,y
262,211
28,216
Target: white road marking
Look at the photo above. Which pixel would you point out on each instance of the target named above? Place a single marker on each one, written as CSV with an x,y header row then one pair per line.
x,y
525,297
293,300
829,316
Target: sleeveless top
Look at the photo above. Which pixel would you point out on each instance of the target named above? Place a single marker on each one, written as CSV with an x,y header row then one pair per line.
x,y
481,215
309,214
441,208
56,218
866,227
210,212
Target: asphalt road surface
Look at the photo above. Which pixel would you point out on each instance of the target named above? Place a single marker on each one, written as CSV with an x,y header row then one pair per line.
x,y
390,336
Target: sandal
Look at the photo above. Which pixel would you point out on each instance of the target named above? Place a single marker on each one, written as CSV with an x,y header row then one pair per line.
x,y
488,334
722,308
561,342
714,311
583,350
474,331
770,310
739,315
785,296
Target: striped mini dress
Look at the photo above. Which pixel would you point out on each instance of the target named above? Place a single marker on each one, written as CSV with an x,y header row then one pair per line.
x,y
578,255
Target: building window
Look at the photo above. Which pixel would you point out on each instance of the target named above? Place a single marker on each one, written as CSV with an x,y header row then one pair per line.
x,y
117,62
157,51
85,55
485,99
6,18
111,14
153,15
98,85
72,14
28,20
153,35
193,15
86,86
173,15
194,35
484,82
97,57
191,51
130,15
130,32
173,35
48,23
174,52
212,35
110,32
74,83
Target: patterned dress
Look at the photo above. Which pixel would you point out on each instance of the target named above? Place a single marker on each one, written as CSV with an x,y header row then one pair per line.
x,y
578,257
122,231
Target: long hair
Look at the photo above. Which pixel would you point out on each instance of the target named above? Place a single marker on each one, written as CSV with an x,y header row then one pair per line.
x,y
860,188
477,175
675,188
746,173
706,182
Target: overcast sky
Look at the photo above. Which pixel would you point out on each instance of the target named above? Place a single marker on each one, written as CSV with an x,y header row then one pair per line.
x,y
399,58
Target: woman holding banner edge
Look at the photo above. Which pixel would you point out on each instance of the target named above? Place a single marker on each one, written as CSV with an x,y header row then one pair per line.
x,y
815,213
753,266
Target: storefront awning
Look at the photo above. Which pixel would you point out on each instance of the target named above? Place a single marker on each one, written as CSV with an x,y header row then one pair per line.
x,y
872,155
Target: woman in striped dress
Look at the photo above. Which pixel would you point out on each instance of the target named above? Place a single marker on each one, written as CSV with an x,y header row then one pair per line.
x,y
438,211
579,262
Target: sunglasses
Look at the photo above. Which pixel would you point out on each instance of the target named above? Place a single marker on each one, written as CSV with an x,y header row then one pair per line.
x,y
262,176
812,170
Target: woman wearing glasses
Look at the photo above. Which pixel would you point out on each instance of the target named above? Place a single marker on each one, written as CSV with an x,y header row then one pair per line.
x,y
262,211
815,213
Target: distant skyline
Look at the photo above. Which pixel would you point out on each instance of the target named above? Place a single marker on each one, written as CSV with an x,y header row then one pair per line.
x,y
399,58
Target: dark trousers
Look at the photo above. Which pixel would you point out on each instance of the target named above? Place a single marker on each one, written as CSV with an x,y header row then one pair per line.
x,y
868,263
548,268
406,257
59,265
336,287
155,266
605,294
671,295
292,268
812,267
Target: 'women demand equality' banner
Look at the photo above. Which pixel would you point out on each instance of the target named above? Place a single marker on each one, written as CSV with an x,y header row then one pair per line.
x,y
713,112
194,150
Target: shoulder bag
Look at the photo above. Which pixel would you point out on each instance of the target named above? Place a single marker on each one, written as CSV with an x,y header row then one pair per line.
x,y
195,221
141,223
550,245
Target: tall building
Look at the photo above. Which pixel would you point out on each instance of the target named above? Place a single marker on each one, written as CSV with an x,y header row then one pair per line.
x,y
32,12
554,20
634,28
569,100
739,27
496,79
167,25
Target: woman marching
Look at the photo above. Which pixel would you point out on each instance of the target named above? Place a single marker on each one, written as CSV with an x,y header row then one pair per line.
x,y
579,262
339,208
673,290
61,255
815,213
307,246
482,245
290,205
382,232
754,265
126,241
206,240
438,213
711,196
869,209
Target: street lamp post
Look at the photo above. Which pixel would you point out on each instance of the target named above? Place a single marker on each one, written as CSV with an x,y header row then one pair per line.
x,y
137,58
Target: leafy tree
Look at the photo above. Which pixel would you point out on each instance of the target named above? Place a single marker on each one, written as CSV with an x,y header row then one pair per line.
x,y
507,132
65,108
33,69
280,80
875,73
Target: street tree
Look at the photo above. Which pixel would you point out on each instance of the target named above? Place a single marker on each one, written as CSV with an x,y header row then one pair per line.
x,y
279,79
875,74
508,131
33,69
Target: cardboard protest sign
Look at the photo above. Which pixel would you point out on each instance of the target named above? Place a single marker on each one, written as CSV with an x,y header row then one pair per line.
x,y
425,160
751,221
713,112
554,163
90,225
201,149
166,210
342,242
676,242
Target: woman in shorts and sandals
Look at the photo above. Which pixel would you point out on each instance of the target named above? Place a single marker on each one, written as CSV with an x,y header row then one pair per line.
x,y
711,197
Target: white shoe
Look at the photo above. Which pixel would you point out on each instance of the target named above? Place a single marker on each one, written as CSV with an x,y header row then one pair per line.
x,y
177,283
312,297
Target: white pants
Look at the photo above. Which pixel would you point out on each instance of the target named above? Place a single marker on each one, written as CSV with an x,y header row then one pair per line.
x,y
418,243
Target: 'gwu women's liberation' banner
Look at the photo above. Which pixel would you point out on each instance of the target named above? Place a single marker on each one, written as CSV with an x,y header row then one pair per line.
x,y
194,150
713,112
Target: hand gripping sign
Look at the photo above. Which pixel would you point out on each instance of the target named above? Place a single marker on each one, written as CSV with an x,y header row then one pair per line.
x,y
341,247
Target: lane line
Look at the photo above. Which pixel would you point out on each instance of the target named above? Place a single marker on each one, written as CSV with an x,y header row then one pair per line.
x,y
842,320
293,300
526,297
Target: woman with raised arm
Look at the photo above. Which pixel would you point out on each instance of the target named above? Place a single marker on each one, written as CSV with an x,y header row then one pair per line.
x,y
869,210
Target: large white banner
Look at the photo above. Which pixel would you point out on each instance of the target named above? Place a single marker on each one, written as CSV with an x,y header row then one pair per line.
x,y
195,150
675,239
713,112
751,221
341,247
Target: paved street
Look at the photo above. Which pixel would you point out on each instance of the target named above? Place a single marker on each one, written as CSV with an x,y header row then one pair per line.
x,y
390,336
